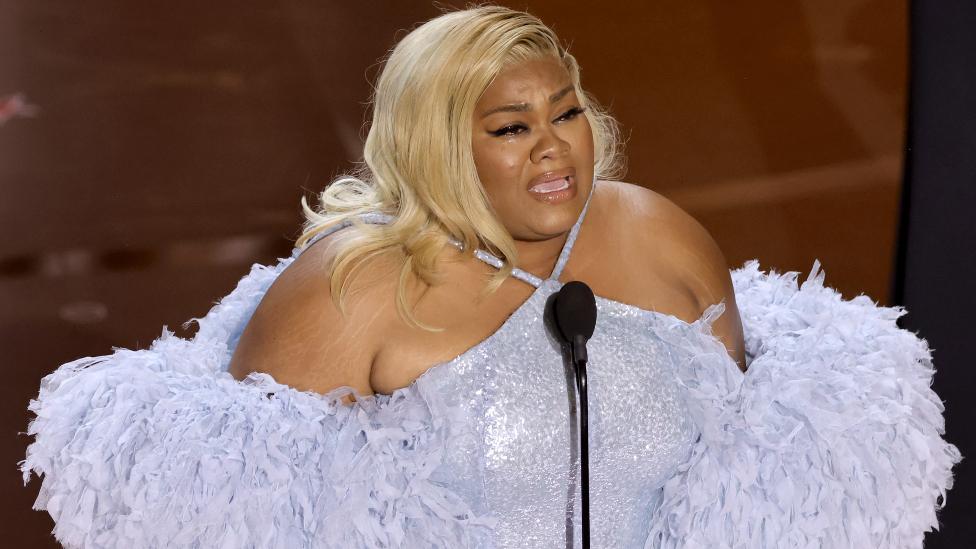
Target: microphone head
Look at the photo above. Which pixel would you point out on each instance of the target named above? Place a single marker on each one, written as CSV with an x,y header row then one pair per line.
x,y
575,310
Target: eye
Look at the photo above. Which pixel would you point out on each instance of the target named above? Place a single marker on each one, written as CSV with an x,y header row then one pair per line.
x,y
572,113
513,129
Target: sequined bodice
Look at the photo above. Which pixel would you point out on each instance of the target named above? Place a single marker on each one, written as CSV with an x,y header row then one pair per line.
x,y
511,400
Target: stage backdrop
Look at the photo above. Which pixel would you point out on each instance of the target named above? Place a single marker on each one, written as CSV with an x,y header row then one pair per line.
x,y
151,152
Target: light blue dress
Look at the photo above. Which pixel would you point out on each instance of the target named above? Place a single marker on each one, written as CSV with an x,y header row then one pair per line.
x,y
831,439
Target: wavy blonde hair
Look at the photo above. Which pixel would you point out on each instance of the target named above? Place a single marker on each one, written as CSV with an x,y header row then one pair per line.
x,y
418,162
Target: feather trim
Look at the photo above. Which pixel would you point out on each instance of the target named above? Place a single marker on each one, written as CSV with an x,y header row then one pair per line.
x,y
832,438
163,448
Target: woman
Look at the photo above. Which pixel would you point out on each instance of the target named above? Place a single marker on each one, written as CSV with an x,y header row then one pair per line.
x,y
393,383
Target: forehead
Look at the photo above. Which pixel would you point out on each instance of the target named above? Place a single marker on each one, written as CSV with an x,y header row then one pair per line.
x,y
526,81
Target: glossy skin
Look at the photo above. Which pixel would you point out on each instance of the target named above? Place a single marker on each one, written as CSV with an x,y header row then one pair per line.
x,y
634,246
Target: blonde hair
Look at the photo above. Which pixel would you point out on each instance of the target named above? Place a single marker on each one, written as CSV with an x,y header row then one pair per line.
x,y
418,162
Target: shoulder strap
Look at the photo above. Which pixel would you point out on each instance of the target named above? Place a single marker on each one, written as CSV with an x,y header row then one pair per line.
x,y
497,263
571,239
375,218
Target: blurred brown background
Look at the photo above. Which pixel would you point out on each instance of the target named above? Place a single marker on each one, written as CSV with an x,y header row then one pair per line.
x,y
169,145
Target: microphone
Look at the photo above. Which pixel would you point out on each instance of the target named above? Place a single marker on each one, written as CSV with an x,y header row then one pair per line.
x,y
574,313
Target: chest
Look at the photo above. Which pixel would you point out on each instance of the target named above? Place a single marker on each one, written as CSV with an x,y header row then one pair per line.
x,y
520,447
466,319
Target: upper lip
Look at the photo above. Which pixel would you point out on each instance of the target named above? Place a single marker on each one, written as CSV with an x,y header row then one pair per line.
x,y
553,176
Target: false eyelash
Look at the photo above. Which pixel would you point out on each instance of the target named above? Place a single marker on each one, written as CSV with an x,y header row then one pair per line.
x,y
573,112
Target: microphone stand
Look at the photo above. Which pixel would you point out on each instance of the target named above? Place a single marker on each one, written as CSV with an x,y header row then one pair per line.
x,y
579,363
574,313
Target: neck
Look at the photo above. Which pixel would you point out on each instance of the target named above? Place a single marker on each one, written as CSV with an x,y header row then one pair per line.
x,y
539,257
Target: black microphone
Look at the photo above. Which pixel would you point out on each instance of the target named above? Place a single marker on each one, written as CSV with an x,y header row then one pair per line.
x,y
574,313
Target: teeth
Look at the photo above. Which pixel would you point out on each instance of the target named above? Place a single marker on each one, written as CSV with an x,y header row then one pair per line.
x,y
551,186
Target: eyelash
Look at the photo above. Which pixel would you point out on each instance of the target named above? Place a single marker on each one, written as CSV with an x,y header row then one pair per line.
x,y
510,129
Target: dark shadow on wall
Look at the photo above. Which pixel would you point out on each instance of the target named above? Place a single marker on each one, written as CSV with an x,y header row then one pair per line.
x,y
936,259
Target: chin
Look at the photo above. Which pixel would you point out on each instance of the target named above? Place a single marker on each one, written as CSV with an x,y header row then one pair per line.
x,y
551,221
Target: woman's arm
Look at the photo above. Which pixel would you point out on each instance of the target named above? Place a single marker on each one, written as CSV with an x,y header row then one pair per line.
x,y
299,337
711,282
692,255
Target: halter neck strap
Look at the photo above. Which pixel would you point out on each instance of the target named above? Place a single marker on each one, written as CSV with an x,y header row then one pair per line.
x,y
560,261
372,218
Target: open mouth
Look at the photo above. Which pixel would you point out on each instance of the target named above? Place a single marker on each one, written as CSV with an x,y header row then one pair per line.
x,y
552,186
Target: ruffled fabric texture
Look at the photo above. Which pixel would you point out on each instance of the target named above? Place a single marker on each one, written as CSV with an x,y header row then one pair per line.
x,y
163,448
831,439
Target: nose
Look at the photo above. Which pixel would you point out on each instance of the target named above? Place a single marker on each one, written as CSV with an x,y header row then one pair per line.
x,y
550,146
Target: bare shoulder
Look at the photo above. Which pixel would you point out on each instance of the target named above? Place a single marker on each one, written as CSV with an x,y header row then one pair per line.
x,y
657,233
659,228
644,209
691,247
300,337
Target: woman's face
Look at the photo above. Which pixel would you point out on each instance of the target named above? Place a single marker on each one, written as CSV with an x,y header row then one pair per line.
x,y
529,139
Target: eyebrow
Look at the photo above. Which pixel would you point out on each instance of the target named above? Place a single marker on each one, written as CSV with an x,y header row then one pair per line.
x,y
525,107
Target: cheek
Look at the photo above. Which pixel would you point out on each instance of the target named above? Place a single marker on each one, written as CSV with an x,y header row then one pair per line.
x,y
498,162
584,140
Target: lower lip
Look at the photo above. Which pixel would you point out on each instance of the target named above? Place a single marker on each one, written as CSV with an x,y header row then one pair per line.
x,y
557,197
